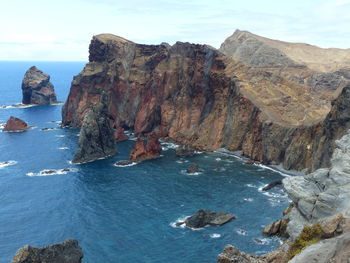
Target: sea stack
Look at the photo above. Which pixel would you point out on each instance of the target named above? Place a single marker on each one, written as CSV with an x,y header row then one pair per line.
x,y
144,151
66,252
37,88
96,138
14,124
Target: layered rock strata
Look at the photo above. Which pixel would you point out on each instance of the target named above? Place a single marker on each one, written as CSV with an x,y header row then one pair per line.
x,y
65,252
96,137
194,95
14,124
37,88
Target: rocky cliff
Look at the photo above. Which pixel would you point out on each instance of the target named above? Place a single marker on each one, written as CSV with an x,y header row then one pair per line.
x,y
194,95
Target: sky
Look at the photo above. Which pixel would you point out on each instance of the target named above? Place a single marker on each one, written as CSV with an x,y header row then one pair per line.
x,y
61,30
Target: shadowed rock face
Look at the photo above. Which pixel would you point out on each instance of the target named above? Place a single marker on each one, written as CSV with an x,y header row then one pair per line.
x,y
37,88
66,252
195,96
203,218
96,138
15,124
120,135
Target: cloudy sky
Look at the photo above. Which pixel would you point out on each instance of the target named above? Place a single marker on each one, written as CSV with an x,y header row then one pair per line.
x,y
60,30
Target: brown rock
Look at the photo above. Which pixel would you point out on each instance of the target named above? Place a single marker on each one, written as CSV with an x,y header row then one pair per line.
x,y
120,135
277,228
145,150
15,124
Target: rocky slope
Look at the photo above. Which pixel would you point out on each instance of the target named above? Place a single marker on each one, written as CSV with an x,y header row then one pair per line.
x,y
194,95
37,88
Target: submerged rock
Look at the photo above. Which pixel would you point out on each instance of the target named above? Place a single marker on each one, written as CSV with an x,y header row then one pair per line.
x,y
272,185
203,218
15,124
66,252
145,151
193,168
96,138
37,88
120,135
184,151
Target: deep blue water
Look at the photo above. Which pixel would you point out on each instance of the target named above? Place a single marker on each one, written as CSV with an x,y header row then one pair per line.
x,y
120,214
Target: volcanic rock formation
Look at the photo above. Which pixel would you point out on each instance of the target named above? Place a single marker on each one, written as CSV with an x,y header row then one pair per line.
x,y
66,252
145,151
120,135
196,96
37,88
15,124
96,138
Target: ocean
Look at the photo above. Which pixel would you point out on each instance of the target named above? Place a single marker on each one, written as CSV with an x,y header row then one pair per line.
x,y
120,214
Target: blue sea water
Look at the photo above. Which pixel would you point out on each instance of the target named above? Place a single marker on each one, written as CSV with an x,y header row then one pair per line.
x,y
120,214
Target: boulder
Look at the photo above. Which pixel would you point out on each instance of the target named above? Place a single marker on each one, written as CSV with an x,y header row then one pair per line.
x,y
193,168
184,151
96,138
66,252
37,88
203,218
15,124
120,135
145,150
277,228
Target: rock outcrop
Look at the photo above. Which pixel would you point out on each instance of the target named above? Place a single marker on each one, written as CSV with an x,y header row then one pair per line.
x,y
193,168
14,124
37,88
96,138
66,252
184,151
120,135
204,218
145,150
196,96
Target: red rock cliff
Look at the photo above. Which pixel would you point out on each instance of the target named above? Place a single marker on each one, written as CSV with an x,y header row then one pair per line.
x,y
194,95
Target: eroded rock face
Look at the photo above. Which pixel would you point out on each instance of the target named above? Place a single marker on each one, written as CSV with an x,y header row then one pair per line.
x,y
195,96
96,138
66,252
145,150
37,88
203,218
15,124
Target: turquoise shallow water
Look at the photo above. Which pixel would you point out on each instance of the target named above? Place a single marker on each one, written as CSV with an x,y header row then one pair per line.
x,y
120,214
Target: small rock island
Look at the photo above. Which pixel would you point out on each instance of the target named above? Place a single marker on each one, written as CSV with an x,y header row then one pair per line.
x,y
37,88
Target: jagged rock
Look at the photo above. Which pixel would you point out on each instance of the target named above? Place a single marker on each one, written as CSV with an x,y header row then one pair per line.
x,y
15,124
272,185
120,135
144,151
124,163
184,151
203,218
330,250
277,228
66,252
96,138
193,168
37,88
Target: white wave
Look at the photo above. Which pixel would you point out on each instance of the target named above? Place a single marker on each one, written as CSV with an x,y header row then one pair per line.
x,y
215,235
271,169
218,159
19,105
168,145
261,241
63,148
127,165
241,232
182,161
60,136
48,129
251,186
179,220
48,172
7,163
248,199
186,173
